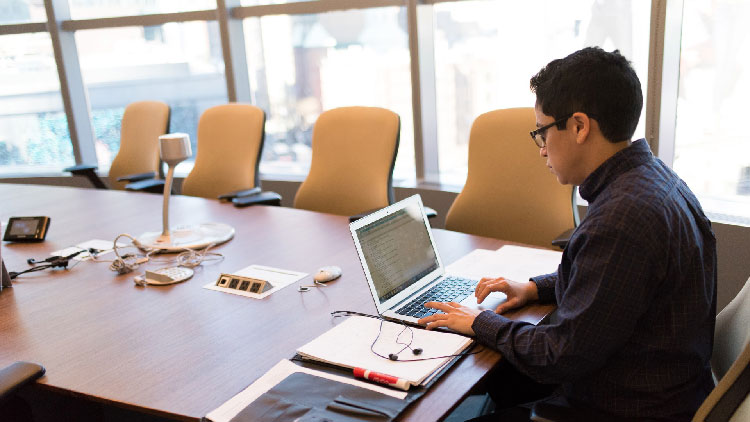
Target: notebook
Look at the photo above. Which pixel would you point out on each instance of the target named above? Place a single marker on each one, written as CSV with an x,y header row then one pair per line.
x,y
402,264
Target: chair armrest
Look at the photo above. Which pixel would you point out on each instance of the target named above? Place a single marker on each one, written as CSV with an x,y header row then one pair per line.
x,y
263,198
148,185
239,193
137,177
15,376
80,169
89,171
562,240
431,213
356,217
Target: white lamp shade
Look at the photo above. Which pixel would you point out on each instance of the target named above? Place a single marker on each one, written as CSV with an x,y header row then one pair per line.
x,y
174,148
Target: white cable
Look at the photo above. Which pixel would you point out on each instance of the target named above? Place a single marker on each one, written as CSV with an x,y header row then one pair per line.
x,y
124,264
190,258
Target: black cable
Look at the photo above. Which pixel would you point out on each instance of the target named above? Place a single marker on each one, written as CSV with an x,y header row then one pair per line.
x,y
394,356
51,262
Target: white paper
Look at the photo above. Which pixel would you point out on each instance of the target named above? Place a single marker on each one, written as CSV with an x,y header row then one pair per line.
x,y
516,263
348,345
277,277
275,375
103,246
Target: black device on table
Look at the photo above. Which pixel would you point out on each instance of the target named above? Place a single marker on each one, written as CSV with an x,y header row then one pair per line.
x,y
26,229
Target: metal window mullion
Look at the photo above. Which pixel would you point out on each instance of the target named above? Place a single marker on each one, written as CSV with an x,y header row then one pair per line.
x,y
310,7
138,20
434,2
23,28
72,89
663,77
424,109
233,49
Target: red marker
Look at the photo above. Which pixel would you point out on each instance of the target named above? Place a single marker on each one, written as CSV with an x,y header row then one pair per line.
x,y
381,378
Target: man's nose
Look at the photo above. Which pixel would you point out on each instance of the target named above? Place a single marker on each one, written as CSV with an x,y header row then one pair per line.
x,y
543,151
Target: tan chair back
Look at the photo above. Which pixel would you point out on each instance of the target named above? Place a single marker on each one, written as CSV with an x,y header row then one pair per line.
x,y
142,124
353,153
230,141
509,192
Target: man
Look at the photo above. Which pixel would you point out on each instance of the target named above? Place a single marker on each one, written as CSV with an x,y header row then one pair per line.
x,y
636,288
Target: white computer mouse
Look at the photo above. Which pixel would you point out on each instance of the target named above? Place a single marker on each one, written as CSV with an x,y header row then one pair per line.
x,y
326,274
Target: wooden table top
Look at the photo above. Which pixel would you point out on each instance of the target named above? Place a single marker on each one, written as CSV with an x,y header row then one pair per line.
x,y
180,351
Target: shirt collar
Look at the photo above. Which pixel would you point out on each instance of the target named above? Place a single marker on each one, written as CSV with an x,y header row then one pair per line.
x,y
633,156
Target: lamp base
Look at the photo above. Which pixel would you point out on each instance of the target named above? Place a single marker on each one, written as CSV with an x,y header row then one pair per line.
x,y
194,236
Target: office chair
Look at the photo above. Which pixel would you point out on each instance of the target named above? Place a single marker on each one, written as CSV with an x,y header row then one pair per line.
x,y
353,153
509,193
12,378
137,159
730,362
230,142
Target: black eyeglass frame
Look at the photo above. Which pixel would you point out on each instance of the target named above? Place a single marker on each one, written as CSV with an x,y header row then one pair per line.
x,y
538,135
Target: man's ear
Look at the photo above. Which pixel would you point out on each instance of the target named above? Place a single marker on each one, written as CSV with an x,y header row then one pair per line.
x,y
581,126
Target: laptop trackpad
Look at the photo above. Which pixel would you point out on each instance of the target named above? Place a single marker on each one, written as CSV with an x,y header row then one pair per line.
x,y
491,302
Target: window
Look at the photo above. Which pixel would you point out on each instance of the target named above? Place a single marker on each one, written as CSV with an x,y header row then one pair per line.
x,y
33,129
178,63
306,56
302,65
712,143
486,52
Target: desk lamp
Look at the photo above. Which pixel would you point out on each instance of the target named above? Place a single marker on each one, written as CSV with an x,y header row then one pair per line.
x,y
173,149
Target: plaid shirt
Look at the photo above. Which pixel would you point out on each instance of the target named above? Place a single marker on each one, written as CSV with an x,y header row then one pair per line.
x,y
636,297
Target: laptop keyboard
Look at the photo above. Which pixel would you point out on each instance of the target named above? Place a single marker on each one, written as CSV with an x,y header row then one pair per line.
x,y
451,289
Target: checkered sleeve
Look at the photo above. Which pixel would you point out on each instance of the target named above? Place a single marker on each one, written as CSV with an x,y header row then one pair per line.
x,y
606,293
545,287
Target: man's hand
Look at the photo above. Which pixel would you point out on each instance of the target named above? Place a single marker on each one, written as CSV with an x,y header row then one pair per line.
x,y
456,317
518,293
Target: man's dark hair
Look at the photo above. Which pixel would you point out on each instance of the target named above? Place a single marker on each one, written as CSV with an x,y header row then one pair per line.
x,y
593,81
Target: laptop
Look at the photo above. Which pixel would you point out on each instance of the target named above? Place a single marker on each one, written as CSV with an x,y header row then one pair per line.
x,y
402,264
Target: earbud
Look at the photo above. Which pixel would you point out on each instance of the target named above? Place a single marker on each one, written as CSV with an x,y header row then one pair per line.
x,y
417,351
393,356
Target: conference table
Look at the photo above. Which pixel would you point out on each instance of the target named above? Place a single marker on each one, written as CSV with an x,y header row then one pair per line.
x,y
180,351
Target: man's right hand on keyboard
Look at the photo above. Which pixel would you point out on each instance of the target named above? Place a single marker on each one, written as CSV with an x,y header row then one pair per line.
x,y
518,293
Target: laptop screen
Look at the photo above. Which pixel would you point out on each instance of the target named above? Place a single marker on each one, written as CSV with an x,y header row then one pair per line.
x,y
398,250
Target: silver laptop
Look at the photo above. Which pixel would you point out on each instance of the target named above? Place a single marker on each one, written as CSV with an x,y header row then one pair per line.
x,y
402,265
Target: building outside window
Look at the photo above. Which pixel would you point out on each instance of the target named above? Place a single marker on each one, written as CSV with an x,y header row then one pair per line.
x,y
178,63
486,52
712,145
303,65
34,135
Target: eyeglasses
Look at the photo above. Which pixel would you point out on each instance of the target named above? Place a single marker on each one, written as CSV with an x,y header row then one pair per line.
x,y
539,136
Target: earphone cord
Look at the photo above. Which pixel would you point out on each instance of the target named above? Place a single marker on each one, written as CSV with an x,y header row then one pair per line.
x,y
406,345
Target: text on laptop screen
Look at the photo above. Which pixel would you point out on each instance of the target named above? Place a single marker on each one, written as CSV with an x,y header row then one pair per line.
x,y
398,251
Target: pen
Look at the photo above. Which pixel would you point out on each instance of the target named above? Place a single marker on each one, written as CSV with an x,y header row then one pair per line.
x,y
381,378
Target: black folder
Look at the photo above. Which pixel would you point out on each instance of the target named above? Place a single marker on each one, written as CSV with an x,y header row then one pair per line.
x,y
306,398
